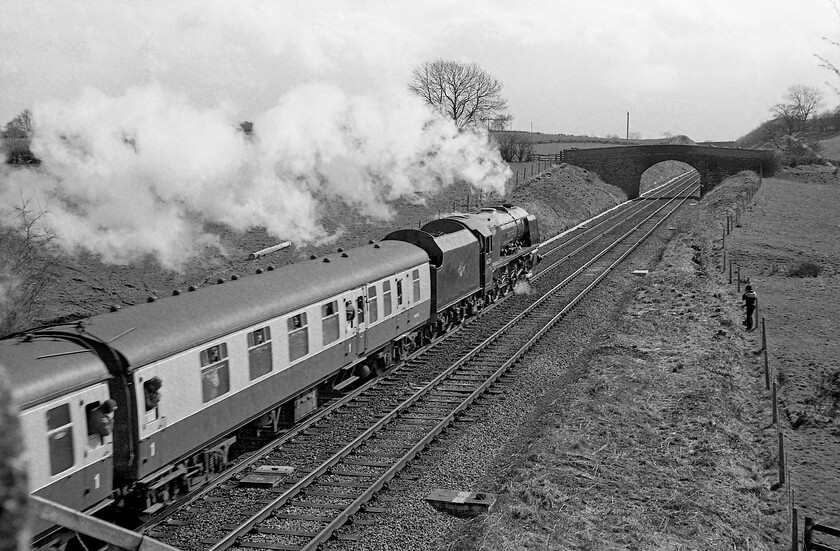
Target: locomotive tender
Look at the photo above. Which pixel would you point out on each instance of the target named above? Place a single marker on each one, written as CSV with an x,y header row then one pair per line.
x,y
188,374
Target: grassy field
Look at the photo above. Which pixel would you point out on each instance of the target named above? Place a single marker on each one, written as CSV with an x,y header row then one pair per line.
x,y
654,439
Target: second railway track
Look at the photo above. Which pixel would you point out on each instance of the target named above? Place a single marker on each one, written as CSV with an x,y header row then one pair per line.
x,y
342,458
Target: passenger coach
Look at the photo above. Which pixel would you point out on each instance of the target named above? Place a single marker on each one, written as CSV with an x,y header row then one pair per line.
x,y
187,371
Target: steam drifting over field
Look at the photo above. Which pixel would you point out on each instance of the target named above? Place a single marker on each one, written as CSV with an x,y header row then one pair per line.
x,y
139,132
143,172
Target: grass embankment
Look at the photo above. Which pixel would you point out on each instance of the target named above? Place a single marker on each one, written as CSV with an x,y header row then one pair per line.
x,y
658,445
790,246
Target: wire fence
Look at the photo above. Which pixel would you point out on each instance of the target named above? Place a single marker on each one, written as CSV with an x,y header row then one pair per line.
x,y
739,276
537,164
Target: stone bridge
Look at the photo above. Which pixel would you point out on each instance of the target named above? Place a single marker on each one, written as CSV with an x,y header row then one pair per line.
x,y
623,166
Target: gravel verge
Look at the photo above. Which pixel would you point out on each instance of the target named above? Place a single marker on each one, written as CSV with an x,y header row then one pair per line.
x,y
637,423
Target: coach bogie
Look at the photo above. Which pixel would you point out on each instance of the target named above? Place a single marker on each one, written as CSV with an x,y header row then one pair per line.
x,y
161,488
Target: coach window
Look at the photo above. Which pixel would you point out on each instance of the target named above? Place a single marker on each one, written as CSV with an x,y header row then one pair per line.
x,y
259,352
360,309
100,421
399,293
329,321
60,437
298,337
151,397
415,275
215,374
386,298
373,307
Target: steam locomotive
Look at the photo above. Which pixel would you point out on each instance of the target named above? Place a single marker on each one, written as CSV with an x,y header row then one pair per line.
x,y
127,410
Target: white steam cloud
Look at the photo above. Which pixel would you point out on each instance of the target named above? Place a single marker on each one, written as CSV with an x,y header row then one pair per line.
x,y
523,287
144,171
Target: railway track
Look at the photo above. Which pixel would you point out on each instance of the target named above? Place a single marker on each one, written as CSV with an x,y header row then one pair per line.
x,y
355,447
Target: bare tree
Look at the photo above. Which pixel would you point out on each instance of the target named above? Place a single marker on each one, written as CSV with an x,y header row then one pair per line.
x,y
824,62
791,117
26,269
21,123
499,124
514,147
463,92
801,102
16,138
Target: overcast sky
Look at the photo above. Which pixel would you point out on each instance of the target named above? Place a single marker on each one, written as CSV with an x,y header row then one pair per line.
x,y
708,69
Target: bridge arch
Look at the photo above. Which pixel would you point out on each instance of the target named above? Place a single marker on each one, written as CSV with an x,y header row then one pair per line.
x,y
623,166
659,173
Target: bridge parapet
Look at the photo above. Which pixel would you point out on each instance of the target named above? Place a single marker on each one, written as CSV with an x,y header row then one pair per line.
x,y
623,166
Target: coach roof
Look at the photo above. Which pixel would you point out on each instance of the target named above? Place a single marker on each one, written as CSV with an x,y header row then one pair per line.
x,y
43,368
147,332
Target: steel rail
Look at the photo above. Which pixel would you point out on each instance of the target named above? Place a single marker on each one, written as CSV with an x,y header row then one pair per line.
x,y
323,412
352,508
342,517
626,213
597,237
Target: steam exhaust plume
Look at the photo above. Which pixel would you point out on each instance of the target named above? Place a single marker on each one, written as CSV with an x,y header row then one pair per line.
x,y
522,287
146,171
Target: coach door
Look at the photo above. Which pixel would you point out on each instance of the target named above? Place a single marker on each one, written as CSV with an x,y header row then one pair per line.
x,y
403,290
355,313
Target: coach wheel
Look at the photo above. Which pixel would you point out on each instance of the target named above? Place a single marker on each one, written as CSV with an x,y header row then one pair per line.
x,y
216,462
379,366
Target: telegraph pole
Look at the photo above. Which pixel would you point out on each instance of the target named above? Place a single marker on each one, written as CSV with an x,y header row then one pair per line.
x,y
628,125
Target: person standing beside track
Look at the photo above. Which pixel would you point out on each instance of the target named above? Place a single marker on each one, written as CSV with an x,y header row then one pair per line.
x,y
750,300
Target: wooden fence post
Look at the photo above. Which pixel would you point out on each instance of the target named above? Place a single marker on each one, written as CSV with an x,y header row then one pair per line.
x,y
775,405
763,334
781,458
809,529
794,519
766,371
